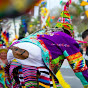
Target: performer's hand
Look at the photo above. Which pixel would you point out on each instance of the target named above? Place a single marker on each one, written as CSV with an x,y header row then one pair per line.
x,y
19,53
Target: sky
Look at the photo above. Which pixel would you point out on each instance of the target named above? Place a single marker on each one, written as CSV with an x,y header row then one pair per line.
x,y
52,3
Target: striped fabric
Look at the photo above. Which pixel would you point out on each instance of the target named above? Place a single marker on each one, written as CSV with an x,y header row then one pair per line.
x,y
77,62
21,79
64,20
45,79
23,76
51,83
29,74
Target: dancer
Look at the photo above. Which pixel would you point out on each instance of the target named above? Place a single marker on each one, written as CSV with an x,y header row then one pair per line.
x,y
35,60
3,62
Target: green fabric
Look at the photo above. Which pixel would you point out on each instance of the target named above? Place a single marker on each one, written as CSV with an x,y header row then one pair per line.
x,y
81,77
55,61
65,53
2,80
32,83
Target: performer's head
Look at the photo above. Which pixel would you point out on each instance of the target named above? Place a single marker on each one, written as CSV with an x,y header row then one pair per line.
x,y
3,53
64,21
64,30
85,37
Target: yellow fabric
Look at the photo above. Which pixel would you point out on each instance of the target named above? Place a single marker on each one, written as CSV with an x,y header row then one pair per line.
x,y
23,86
54,85
86,86
61,80
44,85
14,60
83,3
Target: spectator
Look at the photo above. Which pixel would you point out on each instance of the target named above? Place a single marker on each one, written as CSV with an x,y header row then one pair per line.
x,y
3,62
84,46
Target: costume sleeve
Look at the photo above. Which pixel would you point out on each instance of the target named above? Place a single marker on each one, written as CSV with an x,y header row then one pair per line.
x,y
71,51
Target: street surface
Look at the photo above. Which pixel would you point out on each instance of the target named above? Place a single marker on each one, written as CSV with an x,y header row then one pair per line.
x,y
69,76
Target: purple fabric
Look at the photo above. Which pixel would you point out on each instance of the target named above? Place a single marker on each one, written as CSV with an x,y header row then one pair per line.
x,y
61,42
85,74
52,48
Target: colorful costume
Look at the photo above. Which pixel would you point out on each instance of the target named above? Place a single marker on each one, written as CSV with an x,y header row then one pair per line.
x,y
55,47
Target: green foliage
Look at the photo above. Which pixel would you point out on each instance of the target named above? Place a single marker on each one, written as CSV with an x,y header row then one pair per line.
x,y
35,22
77,8
80,1
81,27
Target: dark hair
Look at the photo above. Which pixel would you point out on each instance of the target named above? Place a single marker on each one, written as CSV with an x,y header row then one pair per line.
x,y
20,37
84,34
65,31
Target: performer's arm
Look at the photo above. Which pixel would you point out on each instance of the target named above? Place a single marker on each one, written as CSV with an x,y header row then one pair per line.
x,y
77,62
